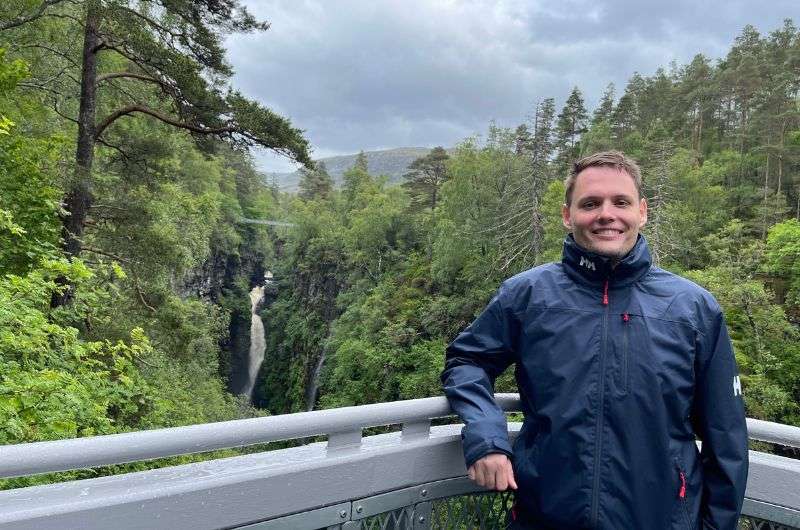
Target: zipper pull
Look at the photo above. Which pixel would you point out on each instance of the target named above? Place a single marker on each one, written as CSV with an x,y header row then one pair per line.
x,y
605,293
625,317
682,493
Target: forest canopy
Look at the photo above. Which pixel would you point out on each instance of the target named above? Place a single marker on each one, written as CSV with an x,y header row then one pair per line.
x,y
125,267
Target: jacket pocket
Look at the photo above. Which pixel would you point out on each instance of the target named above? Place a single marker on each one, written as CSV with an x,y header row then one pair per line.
x,y
682,494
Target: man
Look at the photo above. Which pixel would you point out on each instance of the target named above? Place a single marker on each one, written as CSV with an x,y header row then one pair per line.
x,y
620,366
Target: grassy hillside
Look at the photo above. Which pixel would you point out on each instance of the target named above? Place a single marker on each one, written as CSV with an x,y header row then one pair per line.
x,y
392,163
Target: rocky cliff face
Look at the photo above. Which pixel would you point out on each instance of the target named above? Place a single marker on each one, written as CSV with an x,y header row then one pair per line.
x,y
225,279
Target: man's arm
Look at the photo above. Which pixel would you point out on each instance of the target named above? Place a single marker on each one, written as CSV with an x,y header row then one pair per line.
x,y
719,420
474,360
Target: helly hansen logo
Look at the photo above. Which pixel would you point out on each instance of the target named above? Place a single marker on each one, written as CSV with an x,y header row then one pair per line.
x,y
588,264
737,386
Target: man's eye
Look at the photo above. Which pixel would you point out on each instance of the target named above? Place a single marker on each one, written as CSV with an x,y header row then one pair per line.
x,y
589,204
622,203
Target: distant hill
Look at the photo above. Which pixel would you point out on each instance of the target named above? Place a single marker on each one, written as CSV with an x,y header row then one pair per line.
x,y
390,162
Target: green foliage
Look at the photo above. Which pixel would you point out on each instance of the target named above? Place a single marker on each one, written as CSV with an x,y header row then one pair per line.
x,y
765,342
316,183
783,258
26,191
369,285
717,175
54,384
426,175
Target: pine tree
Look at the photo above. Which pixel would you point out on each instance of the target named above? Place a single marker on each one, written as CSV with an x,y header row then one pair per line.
x,y
523,141
426,175
543,130
606,107
696,97
174,71
361,162
356,178
571,125
315,183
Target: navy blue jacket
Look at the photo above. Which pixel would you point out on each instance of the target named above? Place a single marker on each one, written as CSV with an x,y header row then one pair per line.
x,y
619,369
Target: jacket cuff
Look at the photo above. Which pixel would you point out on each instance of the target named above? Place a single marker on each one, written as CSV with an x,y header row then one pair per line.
x,y
478,450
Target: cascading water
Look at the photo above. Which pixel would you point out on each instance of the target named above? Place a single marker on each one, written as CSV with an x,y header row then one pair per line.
x,y
313,387
257,343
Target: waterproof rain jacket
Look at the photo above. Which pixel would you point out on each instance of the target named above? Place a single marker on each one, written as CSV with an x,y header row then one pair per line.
x,y
618,369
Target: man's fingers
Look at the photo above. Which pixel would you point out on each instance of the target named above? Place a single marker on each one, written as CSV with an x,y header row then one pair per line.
x,y
477,473
501,480
511,482
494,472
488,478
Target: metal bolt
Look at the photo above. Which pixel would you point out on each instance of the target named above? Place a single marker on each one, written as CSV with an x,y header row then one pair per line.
x,y
359,509
421,519
343,514
424,493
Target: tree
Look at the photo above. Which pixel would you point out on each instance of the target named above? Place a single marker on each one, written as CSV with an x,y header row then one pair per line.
x,y
783,260
356,178
571,125
315,183
695,92
26,14
523,141
361,162
622,119
542,147
659,182
520,226
174,47
654,101
426,175
606,107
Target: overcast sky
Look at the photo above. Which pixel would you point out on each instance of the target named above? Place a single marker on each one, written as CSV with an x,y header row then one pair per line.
x,y
380,74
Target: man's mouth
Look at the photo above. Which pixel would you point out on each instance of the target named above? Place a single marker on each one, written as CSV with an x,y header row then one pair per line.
x,y
607,232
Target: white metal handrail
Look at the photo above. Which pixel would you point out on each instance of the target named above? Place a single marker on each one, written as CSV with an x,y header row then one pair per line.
x,y
343,424
63,455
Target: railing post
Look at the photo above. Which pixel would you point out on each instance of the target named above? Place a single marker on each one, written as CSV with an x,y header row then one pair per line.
x,y
414,430
422,516
344,442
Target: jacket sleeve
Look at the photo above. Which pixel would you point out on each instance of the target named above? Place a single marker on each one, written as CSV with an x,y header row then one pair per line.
x,y
474,360
719,420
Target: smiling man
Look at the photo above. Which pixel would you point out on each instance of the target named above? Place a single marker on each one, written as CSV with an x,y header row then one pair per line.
x,y
621,367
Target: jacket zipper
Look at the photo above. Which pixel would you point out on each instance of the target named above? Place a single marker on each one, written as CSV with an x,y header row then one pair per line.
x,y
682,496
599,427
626,318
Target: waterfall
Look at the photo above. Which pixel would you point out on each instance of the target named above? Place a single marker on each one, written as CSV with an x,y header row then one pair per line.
x,y
257,343
313,387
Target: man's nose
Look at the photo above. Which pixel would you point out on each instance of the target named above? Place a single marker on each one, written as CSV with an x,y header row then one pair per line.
x,y
606,212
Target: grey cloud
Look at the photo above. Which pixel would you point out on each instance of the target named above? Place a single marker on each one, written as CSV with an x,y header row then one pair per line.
x,y
369,75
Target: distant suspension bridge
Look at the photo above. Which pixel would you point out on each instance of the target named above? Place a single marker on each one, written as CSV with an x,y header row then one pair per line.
x,y
245,220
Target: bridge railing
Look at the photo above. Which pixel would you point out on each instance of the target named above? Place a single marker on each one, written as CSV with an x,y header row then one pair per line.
x,y
408,479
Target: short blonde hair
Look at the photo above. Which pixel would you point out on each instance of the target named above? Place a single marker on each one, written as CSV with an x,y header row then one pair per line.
x,y
615,159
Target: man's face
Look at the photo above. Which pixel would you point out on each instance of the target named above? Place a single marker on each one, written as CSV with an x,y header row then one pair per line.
x,y
605,214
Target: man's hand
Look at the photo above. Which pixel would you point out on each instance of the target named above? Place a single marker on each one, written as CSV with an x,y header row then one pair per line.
x,y
493,471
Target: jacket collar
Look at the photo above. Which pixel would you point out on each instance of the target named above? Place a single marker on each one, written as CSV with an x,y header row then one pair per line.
x,y
588,267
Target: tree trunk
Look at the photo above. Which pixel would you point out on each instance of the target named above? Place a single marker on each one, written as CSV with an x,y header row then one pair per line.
x,y
79,196
780,166
700,131
766,194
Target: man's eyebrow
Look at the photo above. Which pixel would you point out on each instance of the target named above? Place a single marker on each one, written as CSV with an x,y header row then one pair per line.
x,y
600,197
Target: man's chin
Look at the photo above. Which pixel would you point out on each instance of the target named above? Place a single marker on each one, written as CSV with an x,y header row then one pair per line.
x,y
609,251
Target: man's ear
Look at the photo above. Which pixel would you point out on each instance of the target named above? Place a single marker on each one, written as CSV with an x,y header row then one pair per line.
x,y
565,217
643,212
